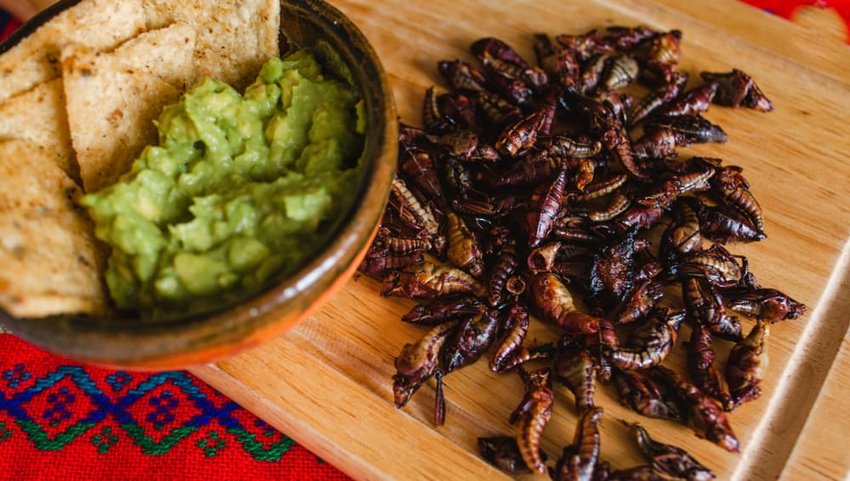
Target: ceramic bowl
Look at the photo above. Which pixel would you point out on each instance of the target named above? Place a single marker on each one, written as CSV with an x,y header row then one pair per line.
x,y
137,344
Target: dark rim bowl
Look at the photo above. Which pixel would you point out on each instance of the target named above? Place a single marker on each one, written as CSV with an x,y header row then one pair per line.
x,y
132,343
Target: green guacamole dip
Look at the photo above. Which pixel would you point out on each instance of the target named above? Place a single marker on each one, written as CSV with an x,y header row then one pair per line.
x,y
240,188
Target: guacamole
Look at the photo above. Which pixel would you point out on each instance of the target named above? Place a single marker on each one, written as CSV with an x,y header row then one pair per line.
x,y
240,188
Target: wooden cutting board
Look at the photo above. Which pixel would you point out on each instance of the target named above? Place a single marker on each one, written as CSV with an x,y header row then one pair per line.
x,y
327,382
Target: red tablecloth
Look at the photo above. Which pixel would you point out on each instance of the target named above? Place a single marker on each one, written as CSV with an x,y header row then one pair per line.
x,y
64,421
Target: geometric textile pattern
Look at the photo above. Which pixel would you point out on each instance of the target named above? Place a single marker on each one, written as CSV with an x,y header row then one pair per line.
x,y
65,421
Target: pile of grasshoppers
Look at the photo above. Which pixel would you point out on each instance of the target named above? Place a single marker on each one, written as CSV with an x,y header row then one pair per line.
x,y
549,189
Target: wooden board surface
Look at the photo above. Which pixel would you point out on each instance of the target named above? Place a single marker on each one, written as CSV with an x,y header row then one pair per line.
x,y
327,382
821,449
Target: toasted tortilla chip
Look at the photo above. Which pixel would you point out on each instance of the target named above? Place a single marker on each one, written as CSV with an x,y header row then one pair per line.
x,y
235,37
98,24
167,53
113,99
38,116
51,263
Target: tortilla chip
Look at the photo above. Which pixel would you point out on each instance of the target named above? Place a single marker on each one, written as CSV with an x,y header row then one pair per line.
x,y
166,53
113,99
98,24
51,263
235,37
38,116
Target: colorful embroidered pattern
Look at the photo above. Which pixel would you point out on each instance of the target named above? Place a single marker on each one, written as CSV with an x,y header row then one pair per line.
x,y
159,420
155,412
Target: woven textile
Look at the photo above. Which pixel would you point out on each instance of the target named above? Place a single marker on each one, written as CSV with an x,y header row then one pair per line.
x,y
61,421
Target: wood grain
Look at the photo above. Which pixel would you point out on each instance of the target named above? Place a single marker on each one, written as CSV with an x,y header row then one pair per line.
x,y
821,451
327,382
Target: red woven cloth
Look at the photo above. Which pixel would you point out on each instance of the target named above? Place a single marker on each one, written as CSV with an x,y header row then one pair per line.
x,y
64,421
